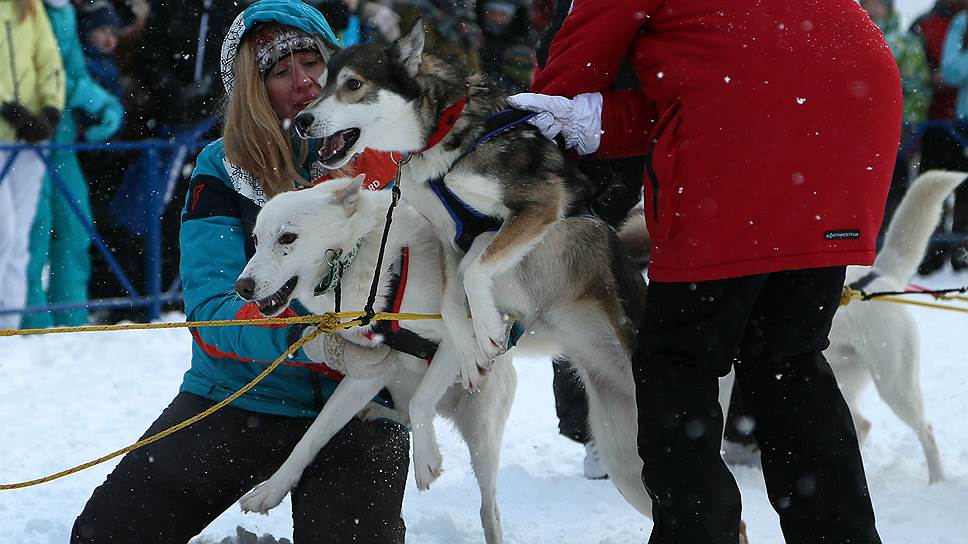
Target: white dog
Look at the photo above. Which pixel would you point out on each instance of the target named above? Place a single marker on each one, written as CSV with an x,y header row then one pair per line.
x,y
300,237
879,339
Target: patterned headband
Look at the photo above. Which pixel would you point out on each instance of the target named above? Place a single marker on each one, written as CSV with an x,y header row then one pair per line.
x,y
273,44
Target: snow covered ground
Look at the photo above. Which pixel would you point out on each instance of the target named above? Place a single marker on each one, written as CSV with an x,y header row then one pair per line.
x,y
70,398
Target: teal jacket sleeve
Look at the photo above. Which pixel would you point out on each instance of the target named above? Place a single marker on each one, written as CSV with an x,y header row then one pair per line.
x,y
213,254
954,58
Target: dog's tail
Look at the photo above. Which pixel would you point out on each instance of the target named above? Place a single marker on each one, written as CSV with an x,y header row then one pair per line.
x,y
635,237
914,221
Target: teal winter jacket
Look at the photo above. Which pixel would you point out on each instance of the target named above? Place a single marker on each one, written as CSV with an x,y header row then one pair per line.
x,y
216,243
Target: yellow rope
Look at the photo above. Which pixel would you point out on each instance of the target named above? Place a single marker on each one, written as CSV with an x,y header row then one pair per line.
x,y
849,295
328,323
331,321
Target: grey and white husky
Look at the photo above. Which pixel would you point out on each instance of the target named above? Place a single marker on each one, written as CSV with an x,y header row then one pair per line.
x,y
567,280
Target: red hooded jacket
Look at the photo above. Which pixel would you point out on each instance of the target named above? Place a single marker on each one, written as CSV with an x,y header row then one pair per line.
x,y
770,128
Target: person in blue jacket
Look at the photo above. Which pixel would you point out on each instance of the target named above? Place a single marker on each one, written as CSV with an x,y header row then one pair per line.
x,y
58,237
171,490
954,72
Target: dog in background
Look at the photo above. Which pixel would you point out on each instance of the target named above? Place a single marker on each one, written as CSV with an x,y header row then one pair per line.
x,y
878,340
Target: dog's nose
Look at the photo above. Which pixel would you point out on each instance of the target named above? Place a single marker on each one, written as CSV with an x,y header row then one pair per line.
x,y
245,287
303,121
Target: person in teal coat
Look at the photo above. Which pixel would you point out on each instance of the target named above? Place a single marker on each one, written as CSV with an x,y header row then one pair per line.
x,y
58,237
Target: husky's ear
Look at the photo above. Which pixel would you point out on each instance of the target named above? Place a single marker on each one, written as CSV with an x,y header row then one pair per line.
x,y
348,194
326,49
407,50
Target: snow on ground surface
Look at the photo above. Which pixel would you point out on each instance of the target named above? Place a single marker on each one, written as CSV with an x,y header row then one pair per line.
x,y
66,399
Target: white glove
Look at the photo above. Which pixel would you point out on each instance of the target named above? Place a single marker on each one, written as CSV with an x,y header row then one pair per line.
x,y
579,120
348,358
383,18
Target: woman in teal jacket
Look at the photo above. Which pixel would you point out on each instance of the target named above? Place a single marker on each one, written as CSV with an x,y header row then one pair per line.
x,y
58,237
170,490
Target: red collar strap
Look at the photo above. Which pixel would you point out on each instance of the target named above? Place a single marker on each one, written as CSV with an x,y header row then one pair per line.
x,y
448,118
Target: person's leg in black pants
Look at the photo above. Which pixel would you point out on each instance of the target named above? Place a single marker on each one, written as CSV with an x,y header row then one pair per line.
x,y
777,324
689,338
571,402
810,456
170,490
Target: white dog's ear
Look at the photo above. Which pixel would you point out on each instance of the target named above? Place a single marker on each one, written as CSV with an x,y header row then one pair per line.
x,y
348,194
408,49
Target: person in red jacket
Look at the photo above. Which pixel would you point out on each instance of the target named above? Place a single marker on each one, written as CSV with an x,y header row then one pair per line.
x,y
770,130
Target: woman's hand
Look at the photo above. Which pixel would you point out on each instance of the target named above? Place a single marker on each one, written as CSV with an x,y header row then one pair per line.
x,y
578,120
348,358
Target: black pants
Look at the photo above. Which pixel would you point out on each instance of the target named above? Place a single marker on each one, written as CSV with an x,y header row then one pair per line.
x,y
571,402
169,491
774,328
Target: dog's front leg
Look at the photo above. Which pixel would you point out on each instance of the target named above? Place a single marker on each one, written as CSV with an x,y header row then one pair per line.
x,y
350,396
489,257
441,374
454,311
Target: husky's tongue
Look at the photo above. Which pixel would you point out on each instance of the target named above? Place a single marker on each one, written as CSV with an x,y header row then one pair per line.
x,y
331,146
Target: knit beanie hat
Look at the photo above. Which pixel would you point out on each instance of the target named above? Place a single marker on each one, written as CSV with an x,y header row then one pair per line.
x,y
274,41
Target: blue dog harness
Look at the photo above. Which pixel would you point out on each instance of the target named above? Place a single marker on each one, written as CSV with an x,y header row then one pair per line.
x,y
468,222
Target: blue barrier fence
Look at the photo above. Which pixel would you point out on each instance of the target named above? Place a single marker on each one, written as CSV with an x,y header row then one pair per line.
x,y
159,174
157,178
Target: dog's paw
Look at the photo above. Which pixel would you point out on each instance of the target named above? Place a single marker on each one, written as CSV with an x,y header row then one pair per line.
x,y
265,496
492,333
374,411
427,467
470,375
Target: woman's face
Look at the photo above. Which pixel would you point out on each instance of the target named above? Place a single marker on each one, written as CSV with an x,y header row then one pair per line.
x,y
294,82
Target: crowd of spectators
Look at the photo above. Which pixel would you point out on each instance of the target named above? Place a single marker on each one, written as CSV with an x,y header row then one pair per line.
x,y
148,69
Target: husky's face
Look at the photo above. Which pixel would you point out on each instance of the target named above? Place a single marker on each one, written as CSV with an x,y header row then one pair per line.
x,y
367,101
292,235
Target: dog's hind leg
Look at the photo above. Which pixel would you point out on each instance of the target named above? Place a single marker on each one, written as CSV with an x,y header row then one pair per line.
x,y
594,349
481,418
902,392
350,396
489,257
441,374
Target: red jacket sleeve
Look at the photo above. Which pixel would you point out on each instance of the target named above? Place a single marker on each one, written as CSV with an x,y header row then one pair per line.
x,y
585,57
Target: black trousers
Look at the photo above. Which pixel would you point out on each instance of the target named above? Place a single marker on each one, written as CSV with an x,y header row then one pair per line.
x,y
772,328
169,491
571,402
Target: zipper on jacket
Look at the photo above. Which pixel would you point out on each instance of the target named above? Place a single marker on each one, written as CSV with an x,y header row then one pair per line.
x,y
13,64
661,126
653,179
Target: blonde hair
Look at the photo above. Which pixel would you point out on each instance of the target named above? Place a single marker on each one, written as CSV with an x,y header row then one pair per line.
x,y
27,8
253,136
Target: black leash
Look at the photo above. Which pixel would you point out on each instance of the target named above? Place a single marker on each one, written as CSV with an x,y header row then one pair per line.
x,y
365,319
936,294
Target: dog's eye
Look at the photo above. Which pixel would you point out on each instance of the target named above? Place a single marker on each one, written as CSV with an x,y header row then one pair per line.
x,y
353,84
287,238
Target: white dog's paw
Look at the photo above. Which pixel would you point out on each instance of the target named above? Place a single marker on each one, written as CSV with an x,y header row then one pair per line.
x,y
265,496
492,331
427,467
374,411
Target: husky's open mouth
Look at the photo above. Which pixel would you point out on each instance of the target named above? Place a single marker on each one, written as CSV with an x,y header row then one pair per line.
x,y
335,147
276,302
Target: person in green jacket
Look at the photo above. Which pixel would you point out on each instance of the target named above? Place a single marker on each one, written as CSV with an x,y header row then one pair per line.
x,y
58,238
31,99
917,88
